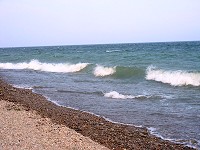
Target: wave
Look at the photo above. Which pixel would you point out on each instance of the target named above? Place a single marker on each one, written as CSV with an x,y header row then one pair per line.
x,y
118,71
193,143
47,67
80,92
111,51
128,72
116,95
101,71
174,78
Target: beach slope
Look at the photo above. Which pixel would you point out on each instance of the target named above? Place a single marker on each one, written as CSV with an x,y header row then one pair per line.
x,y
29,121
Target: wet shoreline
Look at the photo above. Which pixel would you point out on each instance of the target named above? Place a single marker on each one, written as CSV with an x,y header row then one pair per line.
x,y
111,135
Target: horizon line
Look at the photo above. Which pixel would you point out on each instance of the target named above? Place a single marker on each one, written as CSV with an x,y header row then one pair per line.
x,y
97,44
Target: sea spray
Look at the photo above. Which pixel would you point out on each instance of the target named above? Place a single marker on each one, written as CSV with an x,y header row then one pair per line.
x,y
174,78
46,67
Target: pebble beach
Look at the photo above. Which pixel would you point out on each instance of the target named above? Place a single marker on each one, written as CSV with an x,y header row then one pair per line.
x,y
30,121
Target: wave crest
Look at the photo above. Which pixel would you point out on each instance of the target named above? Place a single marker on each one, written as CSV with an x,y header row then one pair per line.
x,y
47,67
111,51
101,71
116,95
174,78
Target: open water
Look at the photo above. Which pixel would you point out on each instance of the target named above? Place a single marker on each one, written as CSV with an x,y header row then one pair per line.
x,y
154,85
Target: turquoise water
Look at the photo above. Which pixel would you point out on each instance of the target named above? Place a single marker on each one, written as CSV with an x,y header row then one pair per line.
x,y
155,85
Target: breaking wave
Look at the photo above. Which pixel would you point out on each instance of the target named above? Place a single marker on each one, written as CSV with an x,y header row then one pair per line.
x,y
111,51
116,95
118,71
174,78
47,67
100,71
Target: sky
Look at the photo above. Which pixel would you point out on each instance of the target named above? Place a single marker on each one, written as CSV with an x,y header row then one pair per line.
x,y
76,22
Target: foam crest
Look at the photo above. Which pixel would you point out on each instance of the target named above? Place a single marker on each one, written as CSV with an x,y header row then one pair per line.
x,y
174,78
111,51
47,67
101,71
116,95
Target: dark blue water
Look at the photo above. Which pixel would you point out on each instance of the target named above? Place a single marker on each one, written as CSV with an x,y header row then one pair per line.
x,y
155,85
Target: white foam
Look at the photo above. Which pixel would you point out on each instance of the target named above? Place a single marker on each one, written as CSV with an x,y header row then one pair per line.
x,y
47,67
189,143
22,87
101,71
174,78
110,51
116,95
153,131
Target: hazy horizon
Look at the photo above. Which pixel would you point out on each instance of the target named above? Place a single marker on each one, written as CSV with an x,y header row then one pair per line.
x,y
48,23
95,44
